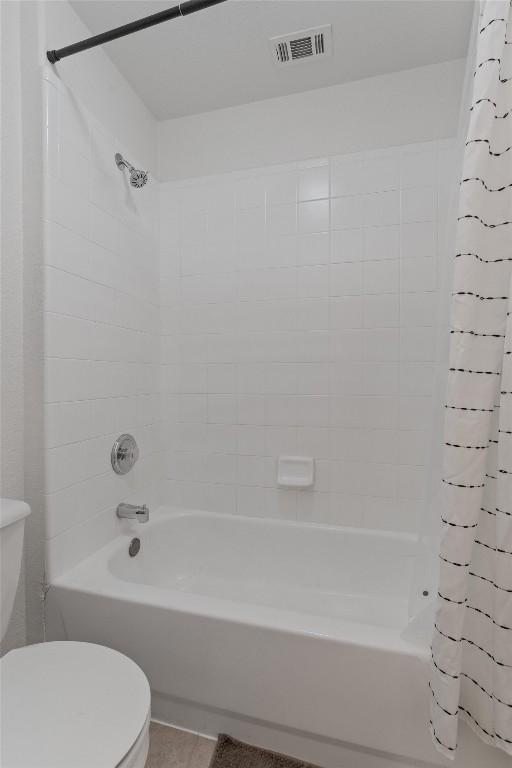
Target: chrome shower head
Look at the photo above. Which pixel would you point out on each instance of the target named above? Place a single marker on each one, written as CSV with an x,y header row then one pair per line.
x,y
137,178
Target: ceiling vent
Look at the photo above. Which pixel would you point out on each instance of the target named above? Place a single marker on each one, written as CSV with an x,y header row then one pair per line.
x,y
305,44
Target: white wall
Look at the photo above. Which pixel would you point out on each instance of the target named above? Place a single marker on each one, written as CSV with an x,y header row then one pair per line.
x,y
21,367
299,317
400,108
101,298
11,347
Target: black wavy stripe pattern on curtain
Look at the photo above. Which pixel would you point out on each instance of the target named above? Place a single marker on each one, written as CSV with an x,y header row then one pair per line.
x,y
471,674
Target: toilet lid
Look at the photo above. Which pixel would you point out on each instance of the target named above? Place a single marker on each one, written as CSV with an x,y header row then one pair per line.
x,y
70,705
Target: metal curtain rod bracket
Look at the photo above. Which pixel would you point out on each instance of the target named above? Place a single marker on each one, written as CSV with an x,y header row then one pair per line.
x,y
182,9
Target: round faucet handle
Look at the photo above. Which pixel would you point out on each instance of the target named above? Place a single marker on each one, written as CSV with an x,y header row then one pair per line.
x,y
124,454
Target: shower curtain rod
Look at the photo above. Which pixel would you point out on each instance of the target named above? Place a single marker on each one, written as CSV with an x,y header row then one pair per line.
x,y
182,9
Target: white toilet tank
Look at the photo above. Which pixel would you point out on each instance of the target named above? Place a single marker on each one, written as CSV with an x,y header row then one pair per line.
x,y
12,524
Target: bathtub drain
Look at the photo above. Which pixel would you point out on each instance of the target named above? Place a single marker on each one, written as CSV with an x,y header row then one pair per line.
x,y
134,547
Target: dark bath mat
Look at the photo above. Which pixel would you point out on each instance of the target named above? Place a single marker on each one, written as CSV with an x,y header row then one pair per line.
x,y
230,753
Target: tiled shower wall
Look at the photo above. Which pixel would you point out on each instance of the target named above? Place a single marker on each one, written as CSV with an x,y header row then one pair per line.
x,y
101,306
299,316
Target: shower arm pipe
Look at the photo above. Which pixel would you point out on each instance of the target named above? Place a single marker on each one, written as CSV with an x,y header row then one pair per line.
x,y
182,9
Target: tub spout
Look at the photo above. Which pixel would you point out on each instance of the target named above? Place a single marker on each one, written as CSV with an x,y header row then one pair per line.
x,y
133,512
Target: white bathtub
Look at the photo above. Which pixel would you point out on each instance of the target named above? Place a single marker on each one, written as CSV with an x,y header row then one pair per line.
x,y
285,634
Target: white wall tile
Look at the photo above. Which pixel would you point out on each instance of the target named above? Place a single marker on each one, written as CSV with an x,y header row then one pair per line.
x,y
313,216
251,440
306,323
312,314
221,438
347,245
345,279
347,177
411,482
345,380
419,308
312,249
419,239
347,345
313,281
381,344
417,344
267,284
382,242
313,441
347,444
381,378
101,329
281,504
347,212
191,407
417,379
202,289
250,192
282,219
381,276
346,312
418,275
250,224
415,412
314,183
381,310
281,251
381,174
413,447
280,440
250,470
280,378
251,501
222,409
382,208
282,188
251,409
418,204
312,378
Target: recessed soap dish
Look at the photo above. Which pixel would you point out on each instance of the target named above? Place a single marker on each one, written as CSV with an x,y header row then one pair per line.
x,y
295,472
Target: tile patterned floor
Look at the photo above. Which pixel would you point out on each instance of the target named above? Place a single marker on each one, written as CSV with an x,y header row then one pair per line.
x,y
172,748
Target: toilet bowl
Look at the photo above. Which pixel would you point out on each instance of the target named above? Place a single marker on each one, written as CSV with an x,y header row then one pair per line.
x,y
73,705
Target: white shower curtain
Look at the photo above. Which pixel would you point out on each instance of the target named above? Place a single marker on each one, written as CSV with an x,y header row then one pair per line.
x,y
472,643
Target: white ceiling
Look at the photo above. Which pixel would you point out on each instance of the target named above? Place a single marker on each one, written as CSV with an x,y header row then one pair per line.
x,y
220,56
